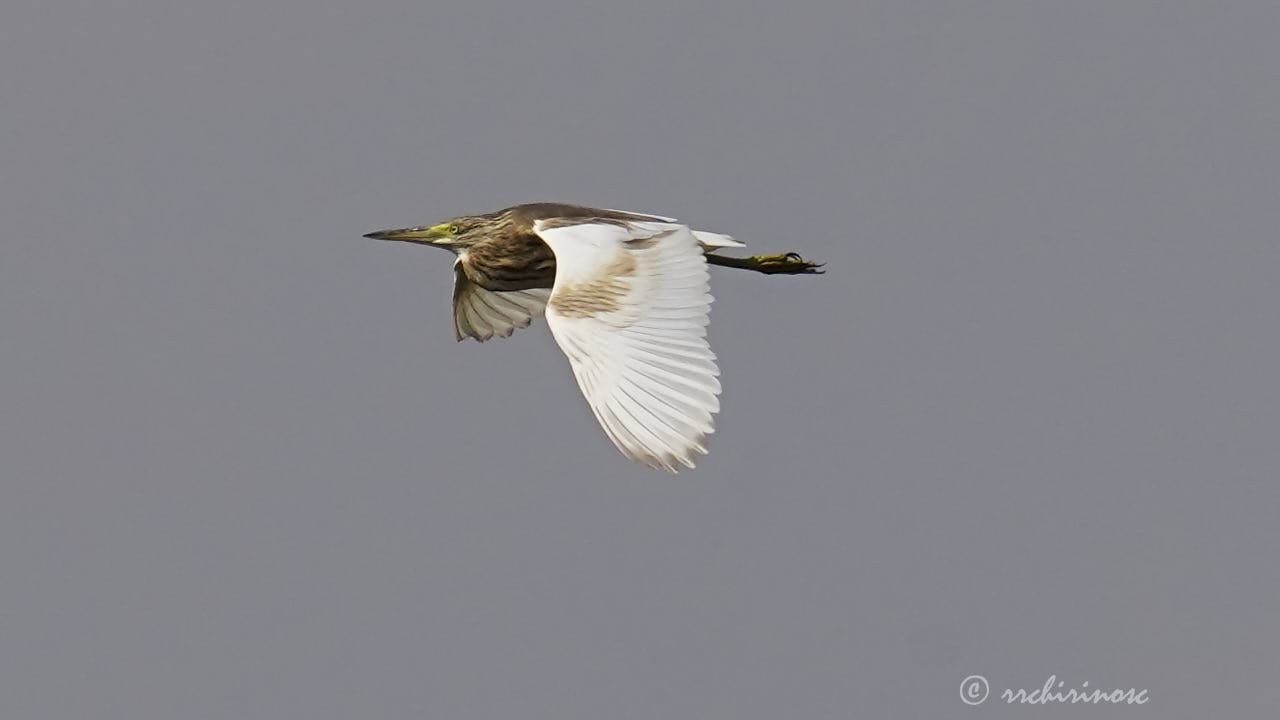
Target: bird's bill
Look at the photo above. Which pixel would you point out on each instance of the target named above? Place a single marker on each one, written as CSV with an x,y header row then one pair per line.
x,y
426,235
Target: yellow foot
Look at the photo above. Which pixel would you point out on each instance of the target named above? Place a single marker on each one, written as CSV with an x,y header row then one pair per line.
x,y
785,264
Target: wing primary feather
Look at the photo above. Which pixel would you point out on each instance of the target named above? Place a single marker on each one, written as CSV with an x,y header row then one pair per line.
x,y
673,417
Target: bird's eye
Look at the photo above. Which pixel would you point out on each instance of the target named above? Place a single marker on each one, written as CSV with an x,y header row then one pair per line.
x,y
453,230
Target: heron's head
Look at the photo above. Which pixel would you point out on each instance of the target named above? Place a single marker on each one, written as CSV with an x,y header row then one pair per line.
x,y
456,234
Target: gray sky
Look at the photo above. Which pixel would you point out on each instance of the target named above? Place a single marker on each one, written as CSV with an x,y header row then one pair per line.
x,y
1027,424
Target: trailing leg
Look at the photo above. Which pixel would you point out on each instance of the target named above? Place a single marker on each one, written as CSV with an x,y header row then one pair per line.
x,y
784,264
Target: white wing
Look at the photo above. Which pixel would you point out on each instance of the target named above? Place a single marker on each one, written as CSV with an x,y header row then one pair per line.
x,y
481,313
629,307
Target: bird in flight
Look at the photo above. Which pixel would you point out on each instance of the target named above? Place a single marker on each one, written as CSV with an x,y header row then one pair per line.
x,y
626,297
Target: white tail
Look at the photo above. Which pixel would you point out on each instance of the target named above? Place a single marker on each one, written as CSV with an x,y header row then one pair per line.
x,y
714,240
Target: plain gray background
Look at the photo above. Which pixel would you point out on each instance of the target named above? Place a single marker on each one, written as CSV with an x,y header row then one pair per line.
x,y
1026,425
